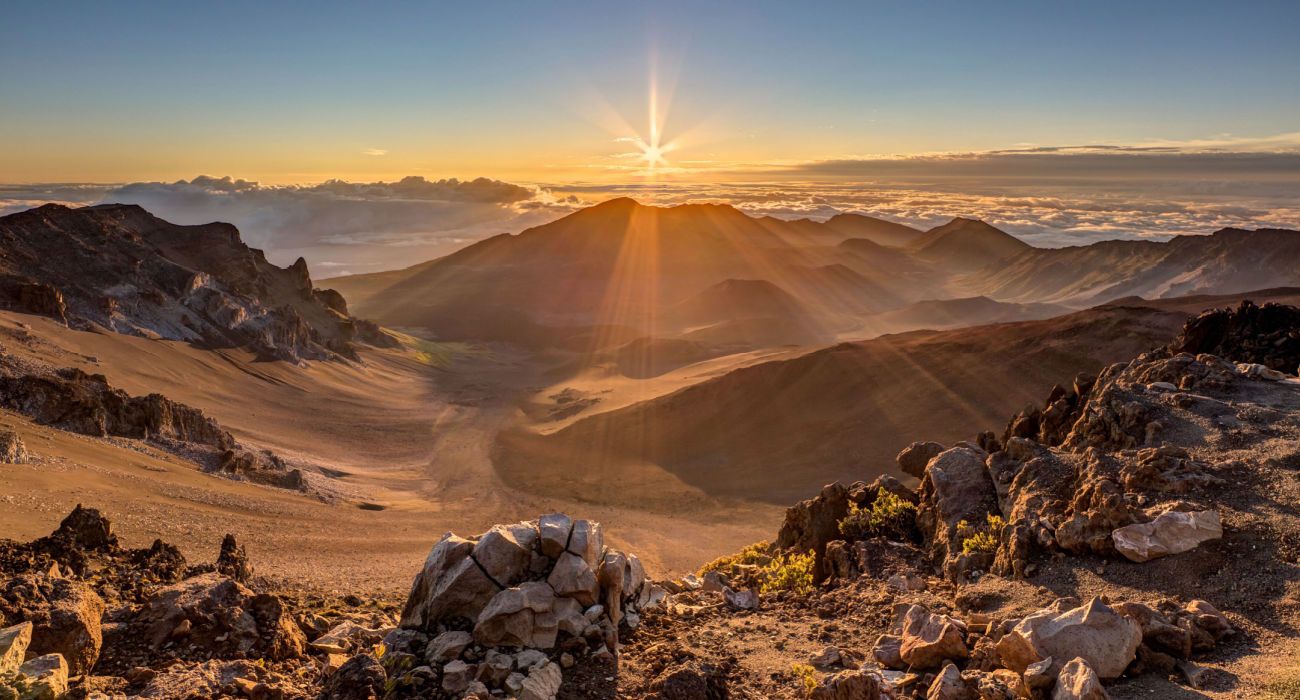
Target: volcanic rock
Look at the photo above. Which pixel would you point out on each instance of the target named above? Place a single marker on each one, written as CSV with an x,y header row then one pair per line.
x,y
929,639
1095,632
1172,532
65,616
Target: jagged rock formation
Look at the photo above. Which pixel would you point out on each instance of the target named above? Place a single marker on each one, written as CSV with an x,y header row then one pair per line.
x,y
1268,335
118,267
72,400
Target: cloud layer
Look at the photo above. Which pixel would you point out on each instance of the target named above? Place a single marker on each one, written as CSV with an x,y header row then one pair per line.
x,y
1049,196
340,227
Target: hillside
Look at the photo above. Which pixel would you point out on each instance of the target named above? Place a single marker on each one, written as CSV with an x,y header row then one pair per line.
x,y
967,244
843,410
122,269
1229,261
626,266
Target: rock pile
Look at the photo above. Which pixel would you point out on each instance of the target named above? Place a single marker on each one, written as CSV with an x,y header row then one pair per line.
x,y
506,610
1064,652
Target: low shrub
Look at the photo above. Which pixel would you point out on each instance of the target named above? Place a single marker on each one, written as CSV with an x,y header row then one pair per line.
x,y
888,516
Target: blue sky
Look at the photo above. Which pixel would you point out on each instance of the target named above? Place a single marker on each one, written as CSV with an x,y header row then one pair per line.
x,y
298,91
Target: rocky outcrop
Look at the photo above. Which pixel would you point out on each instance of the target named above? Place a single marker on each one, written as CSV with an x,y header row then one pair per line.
x,y
65,617
12,448
222,618
1268,335
955,496
85,403
72,400
118,267
814,523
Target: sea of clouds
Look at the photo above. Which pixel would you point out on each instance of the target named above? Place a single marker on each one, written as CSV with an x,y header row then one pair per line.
x,y
1044,196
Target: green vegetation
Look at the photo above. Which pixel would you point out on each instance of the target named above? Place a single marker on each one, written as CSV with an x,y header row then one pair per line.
x,y
984,539
431,352
756,567
789,572
889,516
806,676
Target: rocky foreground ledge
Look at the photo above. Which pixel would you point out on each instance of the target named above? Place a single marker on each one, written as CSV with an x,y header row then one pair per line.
x,y
503,614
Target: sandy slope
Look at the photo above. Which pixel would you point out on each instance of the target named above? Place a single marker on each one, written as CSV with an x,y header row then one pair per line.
x,y
412,437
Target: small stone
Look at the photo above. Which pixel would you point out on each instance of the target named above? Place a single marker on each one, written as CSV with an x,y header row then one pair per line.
x,y
1077,681
456,676
447,646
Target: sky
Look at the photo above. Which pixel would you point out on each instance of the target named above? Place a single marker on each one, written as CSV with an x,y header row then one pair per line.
x,y
920,110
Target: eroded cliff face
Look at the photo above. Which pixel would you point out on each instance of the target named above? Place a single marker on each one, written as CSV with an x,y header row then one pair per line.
x,y
123,269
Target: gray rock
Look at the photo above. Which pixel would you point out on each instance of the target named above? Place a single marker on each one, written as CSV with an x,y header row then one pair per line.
x,y
520,616
542,683
456,676
500,552
914,458
450,585
447,647
587,541
573,578
554,529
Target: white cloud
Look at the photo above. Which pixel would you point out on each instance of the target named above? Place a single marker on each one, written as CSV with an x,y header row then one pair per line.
x,y
375,152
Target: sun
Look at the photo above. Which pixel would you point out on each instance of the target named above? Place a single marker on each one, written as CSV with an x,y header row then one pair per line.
x,y
653,154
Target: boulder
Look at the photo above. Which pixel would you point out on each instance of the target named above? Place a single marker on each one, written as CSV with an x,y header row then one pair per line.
x,y
587,540
450,585
956,488
1172,532
222,619
522,616
1078,681
457,675
914,458
447,646
504,552
361,677
928,639
542,683
949,685
888,651
65,615
46,677
851,685
573,578
12,449
13,646
554,532
1106,640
